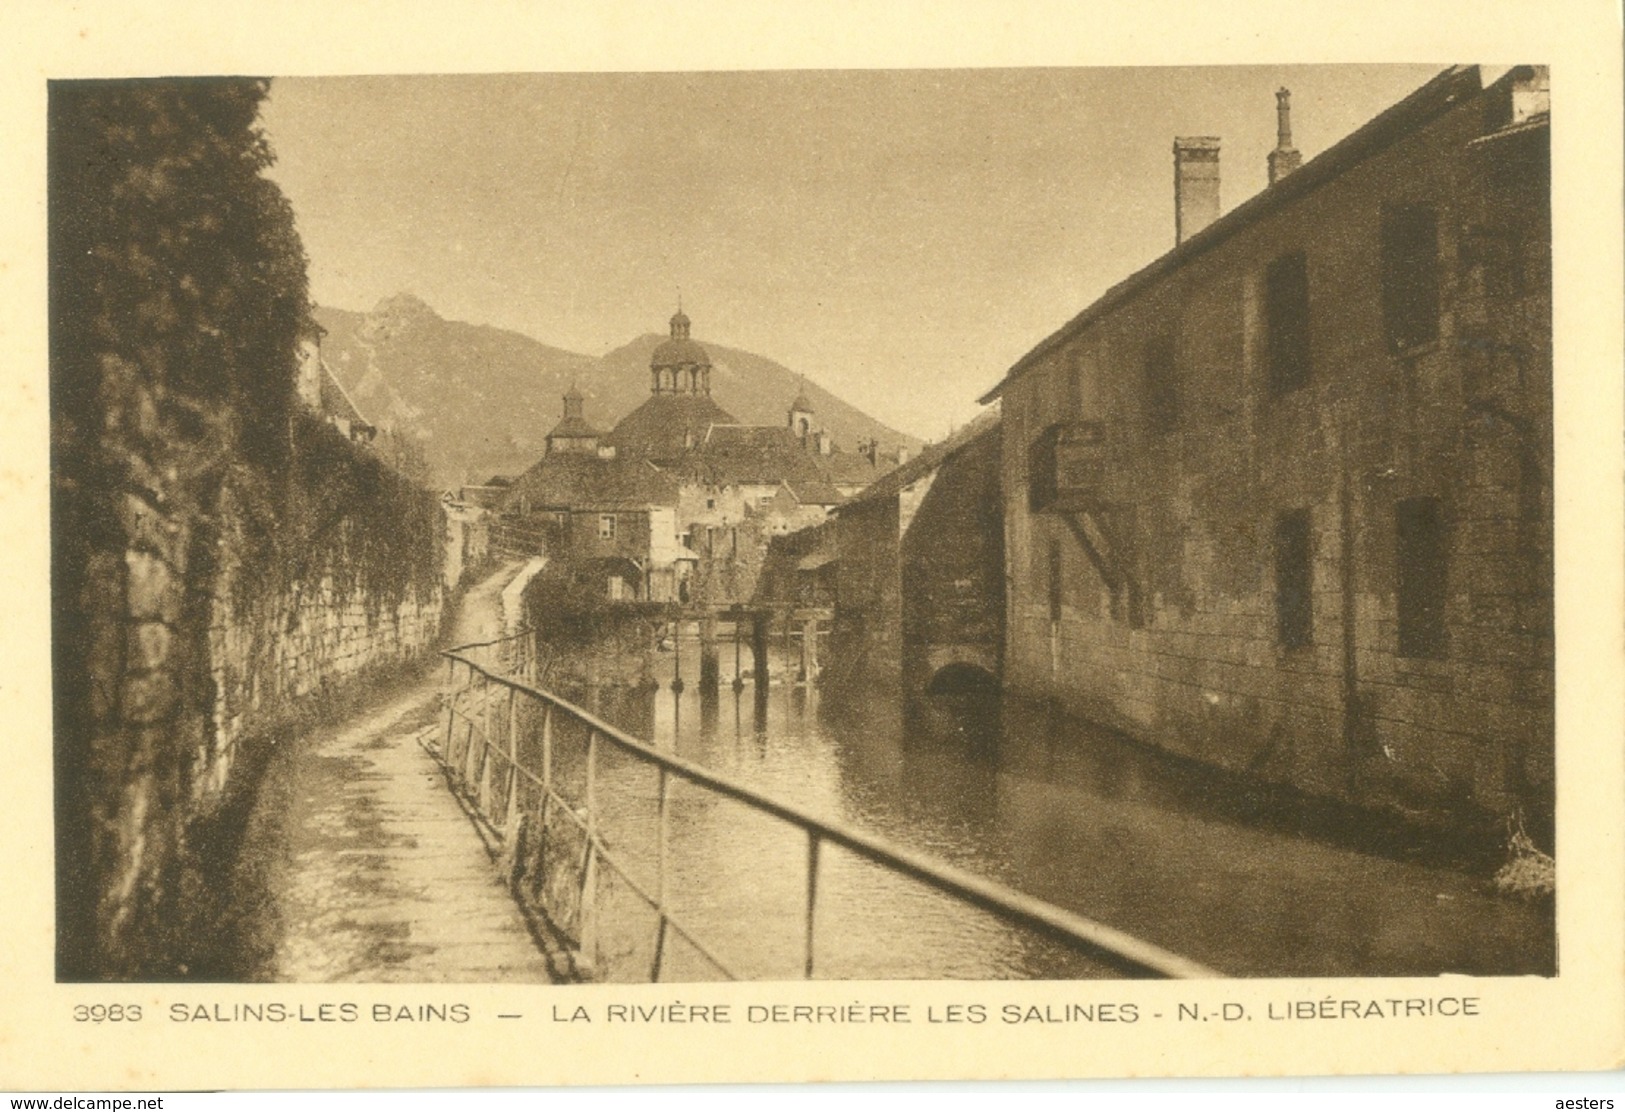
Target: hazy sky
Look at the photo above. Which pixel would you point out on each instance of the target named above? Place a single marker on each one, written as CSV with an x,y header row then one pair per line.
x,y
900,237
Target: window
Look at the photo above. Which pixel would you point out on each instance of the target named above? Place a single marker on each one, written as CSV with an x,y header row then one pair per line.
x,y
1294,580
1041,487
1420,579
617,588
1286,322
606,526
1161,385
1055,580
710,503
1410,276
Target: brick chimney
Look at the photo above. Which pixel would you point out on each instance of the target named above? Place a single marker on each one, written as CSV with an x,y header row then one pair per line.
x,y
1196,184
1285,157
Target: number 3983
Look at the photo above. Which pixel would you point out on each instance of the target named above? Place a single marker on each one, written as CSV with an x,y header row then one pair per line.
x,y
107,1013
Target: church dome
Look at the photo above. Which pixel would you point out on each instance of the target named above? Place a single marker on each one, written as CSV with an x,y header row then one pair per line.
x,y
679,350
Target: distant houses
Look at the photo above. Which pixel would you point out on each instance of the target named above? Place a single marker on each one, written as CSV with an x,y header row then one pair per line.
x,y
679,500
913,565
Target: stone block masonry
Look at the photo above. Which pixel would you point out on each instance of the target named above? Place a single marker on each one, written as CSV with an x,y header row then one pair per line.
x,y
201,643
1282,501
221,556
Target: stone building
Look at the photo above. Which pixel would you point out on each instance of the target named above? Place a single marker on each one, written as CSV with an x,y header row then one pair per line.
x,y
324,395
919,570
573,434
1281,501
713,492
616,516
679,410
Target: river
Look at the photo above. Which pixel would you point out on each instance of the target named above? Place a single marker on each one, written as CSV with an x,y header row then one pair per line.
x,y
1048,805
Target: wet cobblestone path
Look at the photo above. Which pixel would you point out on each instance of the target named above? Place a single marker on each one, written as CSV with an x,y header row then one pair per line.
x,y
358,863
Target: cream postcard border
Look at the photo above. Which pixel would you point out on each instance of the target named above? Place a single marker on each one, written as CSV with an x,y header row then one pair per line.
x,y
1573,1021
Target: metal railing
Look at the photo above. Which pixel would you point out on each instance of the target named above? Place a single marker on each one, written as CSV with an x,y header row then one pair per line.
x,y
520,804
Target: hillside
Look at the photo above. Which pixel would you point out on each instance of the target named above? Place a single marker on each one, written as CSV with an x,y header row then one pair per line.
x,y
480,400
754,389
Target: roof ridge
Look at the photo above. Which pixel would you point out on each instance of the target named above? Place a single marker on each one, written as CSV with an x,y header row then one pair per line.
x,y
1428,100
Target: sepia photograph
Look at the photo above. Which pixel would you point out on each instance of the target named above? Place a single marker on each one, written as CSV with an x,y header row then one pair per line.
x,y
1210,635
526,541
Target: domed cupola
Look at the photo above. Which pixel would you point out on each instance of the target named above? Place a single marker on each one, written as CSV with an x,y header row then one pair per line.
x,y
680,365
573,433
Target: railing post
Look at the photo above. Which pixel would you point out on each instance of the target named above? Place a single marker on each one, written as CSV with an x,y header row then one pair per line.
x,y
547,752
511,805
660,874
469,751
451,702
485,754
540,841
589,871
813,842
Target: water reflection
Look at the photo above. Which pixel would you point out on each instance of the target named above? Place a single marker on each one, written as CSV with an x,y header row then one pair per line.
x,y
1219,872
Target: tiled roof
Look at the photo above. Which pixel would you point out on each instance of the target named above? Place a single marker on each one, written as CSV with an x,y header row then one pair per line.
x,y
733,454
336,401
847,468
568,480
930,458
573,426
658,428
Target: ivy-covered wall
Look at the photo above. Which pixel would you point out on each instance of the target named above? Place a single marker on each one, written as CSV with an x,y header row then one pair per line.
x,y
219,556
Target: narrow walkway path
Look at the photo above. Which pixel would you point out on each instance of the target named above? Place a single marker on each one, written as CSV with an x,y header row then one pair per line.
x,y
359,864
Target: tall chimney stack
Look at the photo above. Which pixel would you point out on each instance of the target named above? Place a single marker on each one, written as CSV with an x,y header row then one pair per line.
x,y
1285,157
1196,184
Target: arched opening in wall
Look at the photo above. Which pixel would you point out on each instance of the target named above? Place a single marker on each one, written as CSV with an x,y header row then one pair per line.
x,y
962,679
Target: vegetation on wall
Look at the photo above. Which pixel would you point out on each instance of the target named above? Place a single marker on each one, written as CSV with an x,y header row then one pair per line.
x,y
566,604
178,300
174,260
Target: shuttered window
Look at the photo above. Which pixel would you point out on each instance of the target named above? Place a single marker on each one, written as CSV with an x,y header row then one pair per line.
x,y
1286,322
1410,276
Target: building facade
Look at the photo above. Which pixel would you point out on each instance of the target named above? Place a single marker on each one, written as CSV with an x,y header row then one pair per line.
x,y
918,574
1282,500
694,497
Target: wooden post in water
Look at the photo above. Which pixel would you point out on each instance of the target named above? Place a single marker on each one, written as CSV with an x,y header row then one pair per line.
x,y
758,646
677,654
809,650
709,667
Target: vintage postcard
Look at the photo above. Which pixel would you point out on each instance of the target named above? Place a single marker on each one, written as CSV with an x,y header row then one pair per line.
x,y
619,546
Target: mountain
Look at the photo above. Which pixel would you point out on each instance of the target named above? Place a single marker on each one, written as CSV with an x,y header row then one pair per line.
x,y
479,401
